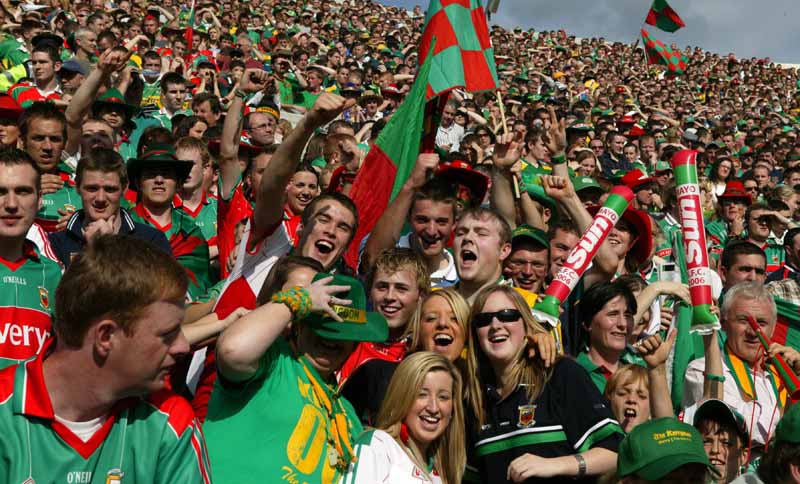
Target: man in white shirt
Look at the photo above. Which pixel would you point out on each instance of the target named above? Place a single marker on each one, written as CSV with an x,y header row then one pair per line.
x,y
751,383
449,134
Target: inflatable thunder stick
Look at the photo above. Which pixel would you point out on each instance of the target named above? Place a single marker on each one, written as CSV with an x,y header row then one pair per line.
x,y
694,241
546,311
788,377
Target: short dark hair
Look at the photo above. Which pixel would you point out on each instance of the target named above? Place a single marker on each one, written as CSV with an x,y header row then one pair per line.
x,y
41,110
337,197
104,160
49,49
563,224
17,157
754,207
735,248
171,78
279,274
481,213
116,277
788,237
601,293
436,190
213,102
775,465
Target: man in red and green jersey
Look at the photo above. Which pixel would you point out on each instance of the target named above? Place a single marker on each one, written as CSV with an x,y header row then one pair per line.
x,y
156,177
28,280
44,132
92,406
191,199
45,63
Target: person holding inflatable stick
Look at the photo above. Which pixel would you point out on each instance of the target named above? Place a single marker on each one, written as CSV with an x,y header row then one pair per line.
x,y
581,256
690,208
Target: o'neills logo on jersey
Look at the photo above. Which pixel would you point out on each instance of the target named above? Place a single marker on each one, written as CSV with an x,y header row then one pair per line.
x,y
581,254
689,204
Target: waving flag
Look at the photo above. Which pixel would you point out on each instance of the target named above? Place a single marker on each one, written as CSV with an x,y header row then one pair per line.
x,y
658,53
662,16
463,56
389,162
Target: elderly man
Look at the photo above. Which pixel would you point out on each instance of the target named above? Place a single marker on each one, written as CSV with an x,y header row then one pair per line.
x,y
751,384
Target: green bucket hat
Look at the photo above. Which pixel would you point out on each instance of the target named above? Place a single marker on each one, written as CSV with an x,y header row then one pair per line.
x,y
158,155
788,429
525,231
357,323
114,98
655,448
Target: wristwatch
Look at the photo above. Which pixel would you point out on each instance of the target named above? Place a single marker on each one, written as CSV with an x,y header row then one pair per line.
x,y
581,466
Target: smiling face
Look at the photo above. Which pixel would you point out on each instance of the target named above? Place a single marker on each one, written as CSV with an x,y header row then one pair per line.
x,y
330,229
479,249
430,414
431,224
610,327
501,342
527,266
561,245
302,188
630,403
440,330
395,295
724,448
621,241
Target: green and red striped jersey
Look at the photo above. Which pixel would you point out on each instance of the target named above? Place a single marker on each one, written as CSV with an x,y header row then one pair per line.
x,y
27,298
143,440
65,198
204,216
189,247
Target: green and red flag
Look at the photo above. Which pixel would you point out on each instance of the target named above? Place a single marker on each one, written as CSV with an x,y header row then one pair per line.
x,y
662,16
463,55
189,35
390,161
787,331
658,53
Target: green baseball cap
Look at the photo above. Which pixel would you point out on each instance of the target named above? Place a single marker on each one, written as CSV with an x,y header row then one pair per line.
x,y
357,323
655,448
584,182
788,429
525,231
662,166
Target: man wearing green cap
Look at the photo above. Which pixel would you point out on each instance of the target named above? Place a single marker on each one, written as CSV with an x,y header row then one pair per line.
x,y
528,263
663,450
310,439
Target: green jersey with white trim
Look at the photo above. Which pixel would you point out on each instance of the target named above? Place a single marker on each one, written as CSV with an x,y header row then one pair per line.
x,y
149,440
27,297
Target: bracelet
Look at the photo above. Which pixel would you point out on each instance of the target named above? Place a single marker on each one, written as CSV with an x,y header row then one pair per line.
x,y
714,377
581,466
297,299
240,94
558,159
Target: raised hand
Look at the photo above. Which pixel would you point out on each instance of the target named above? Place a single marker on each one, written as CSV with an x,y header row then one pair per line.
x,y
112,61
426,162
558,187
507,151
556,133
253,80
326,108
654,350
322,296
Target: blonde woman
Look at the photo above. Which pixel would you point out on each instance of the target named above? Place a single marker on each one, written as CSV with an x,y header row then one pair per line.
x,y
440,324
530,422
419,436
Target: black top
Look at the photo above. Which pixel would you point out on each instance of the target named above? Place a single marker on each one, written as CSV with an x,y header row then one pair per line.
x,y
367,386
70,242
569,417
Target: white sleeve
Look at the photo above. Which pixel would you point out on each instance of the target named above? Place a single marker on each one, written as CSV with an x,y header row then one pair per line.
x,y
693,384
372,463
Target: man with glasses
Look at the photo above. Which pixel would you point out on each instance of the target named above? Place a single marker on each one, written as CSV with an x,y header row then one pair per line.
x,y
597,147
528,263
759,218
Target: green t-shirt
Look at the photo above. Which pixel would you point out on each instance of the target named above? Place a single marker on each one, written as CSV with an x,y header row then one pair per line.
x,y
27,299
271,428
65,198
205,217
152,440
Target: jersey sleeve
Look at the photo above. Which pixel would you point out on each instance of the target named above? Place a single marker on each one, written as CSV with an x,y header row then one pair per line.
x,y
586,416
372,461
183,456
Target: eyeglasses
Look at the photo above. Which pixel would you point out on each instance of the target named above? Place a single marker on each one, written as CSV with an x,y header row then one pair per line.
x,y
481,320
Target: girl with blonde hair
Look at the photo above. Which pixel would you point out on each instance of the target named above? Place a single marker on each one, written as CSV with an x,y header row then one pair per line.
x,y
440,324
419,436
530,419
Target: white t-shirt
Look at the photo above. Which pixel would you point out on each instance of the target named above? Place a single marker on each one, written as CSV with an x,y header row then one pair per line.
x,y
84,430
381,460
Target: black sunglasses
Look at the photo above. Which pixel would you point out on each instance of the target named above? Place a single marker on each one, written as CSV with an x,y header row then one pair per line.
x,y
482,320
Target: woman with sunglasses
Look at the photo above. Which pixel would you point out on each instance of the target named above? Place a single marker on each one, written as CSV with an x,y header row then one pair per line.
x,y
530,422
419,436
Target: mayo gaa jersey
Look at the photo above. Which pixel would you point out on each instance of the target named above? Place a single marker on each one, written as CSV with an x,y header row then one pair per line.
x,y
27,298
147,441
66,198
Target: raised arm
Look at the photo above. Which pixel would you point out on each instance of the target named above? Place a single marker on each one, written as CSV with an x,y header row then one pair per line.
x,y
240,347
655,352
387,230
108,63
507,153
271,193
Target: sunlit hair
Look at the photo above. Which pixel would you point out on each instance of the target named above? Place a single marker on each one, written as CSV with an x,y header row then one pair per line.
x,y
749,291
390,261
449,450
458,305
626,375
530,371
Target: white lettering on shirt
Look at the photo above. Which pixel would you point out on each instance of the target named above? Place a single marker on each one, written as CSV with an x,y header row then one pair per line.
x,y
15,280
20,335
79,477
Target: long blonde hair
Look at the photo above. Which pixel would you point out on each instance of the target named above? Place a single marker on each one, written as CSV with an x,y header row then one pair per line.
x,y
457,303
449,450
529,371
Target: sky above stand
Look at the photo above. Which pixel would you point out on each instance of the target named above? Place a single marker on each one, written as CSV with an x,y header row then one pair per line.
x,y
763,28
